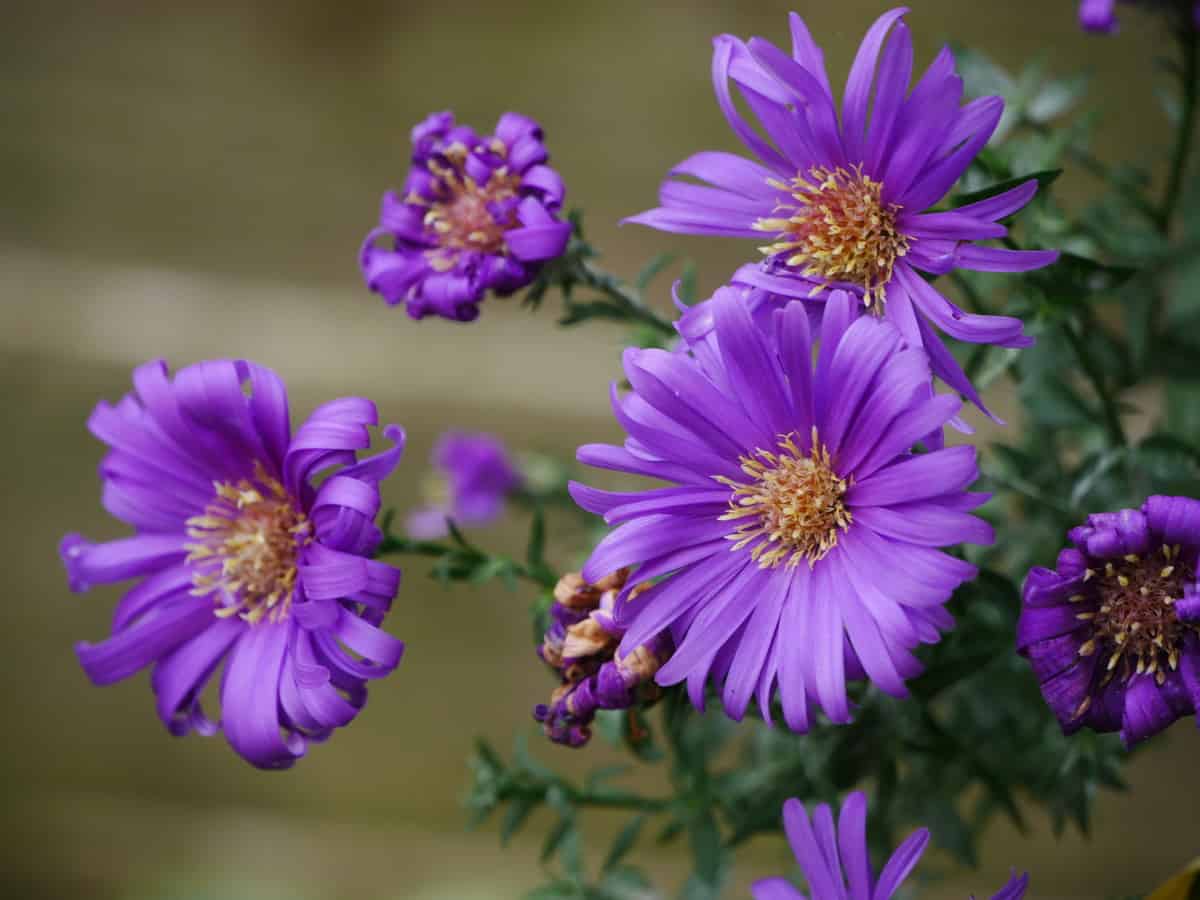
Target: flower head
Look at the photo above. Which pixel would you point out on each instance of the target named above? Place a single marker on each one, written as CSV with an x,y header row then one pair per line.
x,y
250,549
478,214
581,645
1100,16
475,476
836,863
796,541
841,205
1113,632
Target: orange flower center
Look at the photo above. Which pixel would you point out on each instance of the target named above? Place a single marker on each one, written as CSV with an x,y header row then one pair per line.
x,y
462,217
245,546
793,505
837,230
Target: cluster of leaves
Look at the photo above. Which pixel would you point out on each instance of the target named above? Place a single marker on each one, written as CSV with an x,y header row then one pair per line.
x,y
458,559
608,298
1121,423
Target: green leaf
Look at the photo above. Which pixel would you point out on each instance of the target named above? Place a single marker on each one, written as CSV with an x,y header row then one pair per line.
x,y
1057,97
535,550
624,841
556,890
1092,471
597,777
625,883
651,269
558,834
1045,178
687,283
669,832
514,818
708,853
578,313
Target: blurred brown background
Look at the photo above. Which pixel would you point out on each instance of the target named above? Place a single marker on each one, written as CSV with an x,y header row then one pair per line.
x,y
186,182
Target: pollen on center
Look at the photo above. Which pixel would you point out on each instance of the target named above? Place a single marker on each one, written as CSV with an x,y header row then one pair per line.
x,y
792,508
837,229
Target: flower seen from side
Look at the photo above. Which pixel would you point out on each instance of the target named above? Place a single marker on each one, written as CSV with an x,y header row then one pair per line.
x,y
581,645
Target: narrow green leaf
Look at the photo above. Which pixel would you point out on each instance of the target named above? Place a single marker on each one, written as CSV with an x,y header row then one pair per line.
x,y
1045,178
624,841
651,269
515,817
535,551
687,283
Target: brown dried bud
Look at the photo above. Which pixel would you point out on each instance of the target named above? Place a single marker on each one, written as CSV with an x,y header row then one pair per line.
x,y
587,638
614,581
640,663
552,653
575,593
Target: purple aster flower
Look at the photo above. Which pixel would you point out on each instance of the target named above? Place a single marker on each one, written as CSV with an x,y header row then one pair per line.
x,y
479,213
1100,16
250,550
842,205
1113,631
581,644
475,477
836,863
796,541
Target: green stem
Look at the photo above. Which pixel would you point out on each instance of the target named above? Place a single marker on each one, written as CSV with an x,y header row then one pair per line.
x,y
630,300
1190,38
1112,416
397,545
620,801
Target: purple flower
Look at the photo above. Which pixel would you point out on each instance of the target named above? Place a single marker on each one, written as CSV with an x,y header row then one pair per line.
x,y
479,214
1113,632
842,205
797,539
835,861
250,550
475,476
581,645
1100,16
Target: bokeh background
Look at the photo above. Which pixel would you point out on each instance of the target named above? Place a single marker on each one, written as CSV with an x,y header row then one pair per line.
x,y
186,181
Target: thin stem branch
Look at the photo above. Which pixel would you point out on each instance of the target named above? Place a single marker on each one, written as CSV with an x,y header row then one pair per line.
x,y
611,287
392,544
1190,39
1108,402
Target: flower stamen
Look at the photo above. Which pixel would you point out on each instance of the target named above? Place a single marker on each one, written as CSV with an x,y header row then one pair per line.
x,y
838,230
1136,617
793,505
245,546
467,216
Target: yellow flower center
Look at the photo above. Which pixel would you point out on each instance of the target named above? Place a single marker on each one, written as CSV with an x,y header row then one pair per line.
x,y
1135,622
462,218
793,506
838,230
244,548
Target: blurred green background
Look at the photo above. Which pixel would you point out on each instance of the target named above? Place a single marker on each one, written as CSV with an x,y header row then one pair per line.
x,y
188,182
